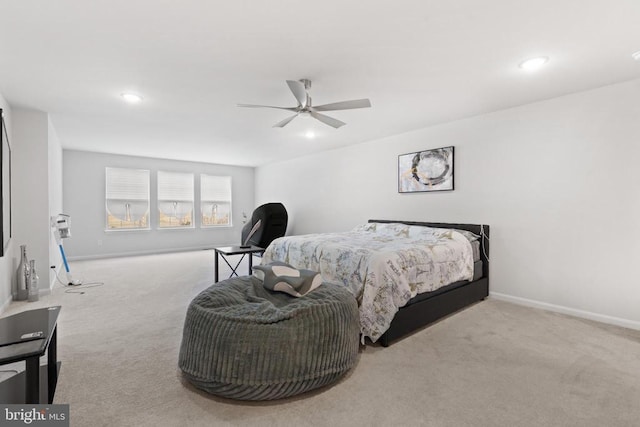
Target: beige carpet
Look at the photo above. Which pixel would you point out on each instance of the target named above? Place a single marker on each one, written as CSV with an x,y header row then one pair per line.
x,y
494,364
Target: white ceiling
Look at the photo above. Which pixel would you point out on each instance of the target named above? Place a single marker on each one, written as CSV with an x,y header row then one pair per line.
x,y
420,62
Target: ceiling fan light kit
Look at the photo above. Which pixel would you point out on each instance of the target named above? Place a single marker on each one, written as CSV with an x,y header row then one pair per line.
x,y
305,108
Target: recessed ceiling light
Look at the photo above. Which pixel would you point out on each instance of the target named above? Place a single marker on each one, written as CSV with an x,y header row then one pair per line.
x,y
132,98
636,55
533,64
310,135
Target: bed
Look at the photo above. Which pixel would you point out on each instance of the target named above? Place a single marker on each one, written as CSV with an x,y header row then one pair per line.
x,y
404,274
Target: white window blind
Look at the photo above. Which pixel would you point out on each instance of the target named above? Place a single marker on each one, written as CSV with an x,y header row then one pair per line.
x,y
174,186
215,200
127,184
215,188
127,198
175,199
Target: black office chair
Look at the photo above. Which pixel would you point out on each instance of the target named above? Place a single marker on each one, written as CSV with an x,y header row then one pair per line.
x,y
273,224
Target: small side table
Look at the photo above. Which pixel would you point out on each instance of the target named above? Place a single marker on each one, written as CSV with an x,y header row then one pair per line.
x,y
234,250
18,343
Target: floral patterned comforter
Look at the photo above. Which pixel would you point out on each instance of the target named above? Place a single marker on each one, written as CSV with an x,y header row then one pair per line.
x,y
384,265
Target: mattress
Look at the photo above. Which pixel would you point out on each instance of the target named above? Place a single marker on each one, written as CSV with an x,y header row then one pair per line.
x,y
475,248
477,274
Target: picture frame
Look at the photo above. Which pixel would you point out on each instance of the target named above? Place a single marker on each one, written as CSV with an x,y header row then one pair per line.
x,y
5,186
426,171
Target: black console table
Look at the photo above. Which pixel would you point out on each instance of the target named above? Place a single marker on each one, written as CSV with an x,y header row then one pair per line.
x,y
235,250
27,336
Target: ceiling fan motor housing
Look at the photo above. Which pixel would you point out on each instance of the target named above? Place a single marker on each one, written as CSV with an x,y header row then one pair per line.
x,y
306,83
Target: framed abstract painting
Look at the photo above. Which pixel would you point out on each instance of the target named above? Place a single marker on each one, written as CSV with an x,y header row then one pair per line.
x,y
428,170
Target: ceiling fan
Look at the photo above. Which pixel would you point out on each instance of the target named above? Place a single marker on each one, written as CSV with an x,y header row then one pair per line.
x,y
305,108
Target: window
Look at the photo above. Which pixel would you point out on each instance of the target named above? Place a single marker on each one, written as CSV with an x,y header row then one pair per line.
x,y
127,199
175,200
215,200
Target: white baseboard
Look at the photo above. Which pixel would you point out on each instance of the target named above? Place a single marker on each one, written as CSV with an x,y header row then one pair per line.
x,y
139,253
625,323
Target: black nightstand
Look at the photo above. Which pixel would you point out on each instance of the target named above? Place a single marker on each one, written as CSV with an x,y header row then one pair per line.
x,y
235,250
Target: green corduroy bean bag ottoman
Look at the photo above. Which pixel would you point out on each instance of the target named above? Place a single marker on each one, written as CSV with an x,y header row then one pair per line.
x,y
242,341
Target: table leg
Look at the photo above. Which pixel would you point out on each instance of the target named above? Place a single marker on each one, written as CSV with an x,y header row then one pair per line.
x,y
52,365
250,264
215,268
233,269
32,386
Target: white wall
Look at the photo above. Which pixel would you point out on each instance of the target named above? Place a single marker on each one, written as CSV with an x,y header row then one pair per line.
x,y
8,263
37,188
55,199
30,164
557,181
84,187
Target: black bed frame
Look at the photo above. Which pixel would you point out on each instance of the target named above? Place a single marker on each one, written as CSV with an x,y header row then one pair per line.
x,y
418,314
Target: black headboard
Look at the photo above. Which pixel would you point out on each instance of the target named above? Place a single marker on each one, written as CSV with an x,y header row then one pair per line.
x,y
480,229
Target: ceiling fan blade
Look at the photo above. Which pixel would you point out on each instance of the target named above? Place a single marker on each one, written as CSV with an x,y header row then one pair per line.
x,y
298,91
285,122
335,123
344,105
267,106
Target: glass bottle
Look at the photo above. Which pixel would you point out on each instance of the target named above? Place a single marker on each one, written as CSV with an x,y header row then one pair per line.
x,y
33,291
22,274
